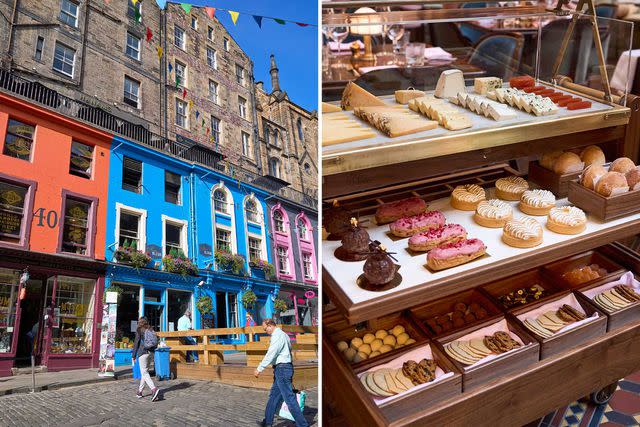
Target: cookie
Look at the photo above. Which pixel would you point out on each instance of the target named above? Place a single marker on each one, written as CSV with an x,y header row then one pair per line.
x,y
627,293
456,356
504,341
490,343
573,312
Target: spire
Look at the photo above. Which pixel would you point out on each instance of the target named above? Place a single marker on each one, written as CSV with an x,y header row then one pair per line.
x,y
275,81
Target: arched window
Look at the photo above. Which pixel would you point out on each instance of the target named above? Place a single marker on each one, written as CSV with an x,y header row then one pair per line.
x,y
220,201
278,221
300,130
302,230
251,211
276,137
274,167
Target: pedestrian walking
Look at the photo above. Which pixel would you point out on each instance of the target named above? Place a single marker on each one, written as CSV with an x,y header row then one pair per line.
x,y
184,324
144,346
279,354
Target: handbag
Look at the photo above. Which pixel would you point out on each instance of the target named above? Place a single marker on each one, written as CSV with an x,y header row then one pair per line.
x,y
284,410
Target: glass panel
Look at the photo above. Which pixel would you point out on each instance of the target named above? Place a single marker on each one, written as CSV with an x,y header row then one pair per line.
x,y
128,311
152,295
18,140
223,240
153,313
63,59
129,225
177,303
172,238
255,249
81,159
12,203
69,13
172,183
132,175
73,327
9,280
252,211
279,221
133,46
76,226
220,201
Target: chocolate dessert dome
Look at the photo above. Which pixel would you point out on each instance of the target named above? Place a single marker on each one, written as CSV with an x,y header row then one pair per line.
x,y
336,220
355,239
379,268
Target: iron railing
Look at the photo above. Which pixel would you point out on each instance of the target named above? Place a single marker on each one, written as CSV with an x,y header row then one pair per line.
x,y
37,92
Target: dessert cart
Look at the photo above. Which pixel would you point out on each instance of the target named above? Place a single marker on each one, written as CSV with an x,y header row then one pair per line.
x,y
361,175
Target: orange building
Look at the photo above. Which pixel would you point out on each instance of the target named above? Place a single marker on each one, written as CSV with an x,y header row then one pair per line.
x,y
54,176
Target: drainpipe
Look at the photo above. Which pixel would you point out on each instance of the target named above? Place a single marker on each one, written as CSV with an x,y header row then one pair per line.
x,y
14,21
163,75
84,45
192,216
256,131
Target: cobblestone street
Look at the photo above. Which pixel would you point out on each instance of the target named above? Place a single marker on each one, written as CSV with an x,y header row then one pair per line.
x,y
183,403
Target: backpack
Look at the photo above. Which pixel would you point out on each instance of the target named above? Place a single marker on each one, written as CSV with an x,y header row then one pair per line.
x,y
150,340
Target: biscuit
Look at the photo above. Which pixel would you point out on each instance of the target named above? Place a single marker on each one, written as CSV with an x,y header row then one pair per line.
x,y
402,378
488,341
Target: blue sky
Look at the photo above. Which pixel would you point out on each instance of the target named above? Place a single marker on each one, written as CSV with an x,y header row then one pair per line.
x,y
295,47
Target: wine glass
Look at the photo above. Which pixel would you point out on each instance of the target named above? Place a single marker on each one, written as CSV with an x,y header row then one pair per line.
x,y
395,33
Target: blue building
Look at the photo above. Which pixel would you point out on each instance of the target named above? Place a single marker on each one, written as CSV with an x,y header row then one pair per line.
x,y
180,215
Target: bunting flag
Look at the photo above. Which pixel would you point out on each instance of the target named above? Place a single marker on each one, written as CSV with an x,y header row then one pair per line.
x,y
258,20
234,16
279,21
208,130
159,49
184,92
302,24
161,3
177,82
137,15
134,2
186,7
170,66
210,11
191,105
202,122
149,34
197,114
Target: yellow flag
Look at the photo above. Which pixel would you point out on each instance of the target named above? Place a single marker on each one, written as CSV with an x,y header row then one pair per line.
x,y
134,2
159,53
234,16
190,104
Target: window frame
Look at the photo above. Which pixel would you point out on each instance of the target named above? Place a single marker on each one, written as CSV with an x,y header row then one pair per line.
x,y
168,173
131,6
242,107
27,209
32,139
258,239
240,79
39,48
194,22
183,234
255,212
225,202
91,223
212,60
286,272
225,229
133,83
68,14
210,33
141,174
91,164
277,169
142,224
300,129
185,114
216,134
137,49
312,275
275,222
214,84
183,39
246,148
225,44
183,74
63,60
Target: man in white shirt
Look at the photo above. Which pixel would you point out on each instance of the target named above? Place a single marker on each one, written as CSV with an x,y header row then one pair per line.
x,y
279,354
184,324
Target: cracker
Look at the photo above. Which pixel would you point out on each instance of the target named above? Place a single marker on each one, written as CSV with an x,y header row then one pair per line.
x,y
406,382
375,388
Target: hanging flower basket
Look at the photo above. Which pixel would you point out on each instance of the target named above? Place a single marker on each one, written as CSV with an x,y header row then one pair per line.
x,y
249,299
204,304
227,261
267,267
280,305
129,254
177,262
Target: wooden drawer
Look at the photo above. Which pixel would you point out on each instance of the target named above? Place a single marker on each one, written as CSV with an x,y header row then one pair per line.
x,y
425,312
557,269
560,342
517,360
604,208
547,179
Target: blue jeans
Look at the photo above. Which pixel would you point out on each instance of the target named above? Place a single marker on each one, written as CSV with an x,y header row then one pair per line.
x,y
282,390
192,356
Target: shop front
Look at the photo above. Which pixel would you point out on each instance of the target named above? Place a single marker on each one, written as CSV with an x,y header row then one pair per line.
x,y
50,309
302,306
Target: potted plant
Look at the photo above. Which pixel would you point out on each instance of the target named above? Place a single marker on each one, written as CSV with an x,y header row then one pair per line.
x,y
204,304
227,261
280,305
129,254
249,300
264,266
177,262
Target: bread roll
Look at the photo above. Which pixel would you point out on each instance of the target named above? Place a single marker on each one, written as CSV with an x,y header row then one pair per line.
x,y
568,163
622,165
592,155
633,178
591,175
548,159
612,183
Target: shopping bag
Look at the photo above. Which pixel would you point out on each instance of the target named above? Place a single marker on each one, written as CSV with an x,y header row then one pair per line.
x,y
284,410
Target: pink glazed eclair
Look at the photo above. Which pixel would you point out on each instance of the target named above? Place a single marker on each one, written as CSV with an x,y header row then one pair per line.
x,y
454,254
390,212
408,226
428,240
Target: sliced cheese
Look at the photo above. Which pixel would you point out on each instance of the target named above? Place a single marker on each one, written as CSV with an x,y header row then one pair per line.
x,y
482,85
330,108
404,96
449,84
354,96
456,121
500,112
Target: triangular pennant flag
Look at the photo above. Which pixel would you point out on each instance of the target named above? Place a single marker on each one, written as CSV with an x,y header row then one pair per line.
x,y
159,48
302,24
170,66
210,11
107,1
197,114
234,16
149,34
186,7
208,130
137,15
177,82
184,92
161,3
190,104
134,2
258,20
202,122
279,21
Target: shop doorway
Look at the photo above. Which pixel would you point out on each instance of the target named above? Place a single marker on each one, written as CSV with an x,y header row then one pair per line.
x,y
31,329
221,310
154,308
177,303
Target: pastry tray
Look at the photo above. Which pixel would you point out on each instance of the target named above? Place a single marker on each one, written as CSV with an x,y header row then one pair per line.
x,y
485,132
419,285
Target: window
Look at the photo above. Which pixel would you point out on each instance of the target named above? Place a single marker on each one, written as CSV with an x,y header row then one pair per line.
x,y
278,220
240,74
213,91
220,201
129,230
267,135
69,13
194,22
64,59
242,107
173,238
307,266
12,209
19,140
223,240
181,113
172,184
132,175
131,92
226,44
307,168
255,249
133,46
212,58
215,129
210,33
75,231
245,145
134,11
300,130
9,283
283,260
276,137
181,74
251,211
274,167
178,37
302,230
39,48
81,159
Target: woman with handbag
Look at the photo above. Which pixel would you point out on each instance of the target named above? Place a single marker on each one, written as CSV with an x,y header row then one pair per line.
x,y
144,347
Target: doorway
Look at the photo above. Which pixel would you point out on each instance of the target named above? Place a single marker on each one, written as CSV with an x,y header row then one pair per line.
x,y
31,327
221,309
154,308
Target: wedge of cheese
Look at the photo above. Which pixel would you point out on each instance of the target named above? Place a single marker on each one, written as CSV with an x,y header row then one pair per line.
x,y
449,84
483,85
339,128
394,122
404,96
354,96
456,120
330,108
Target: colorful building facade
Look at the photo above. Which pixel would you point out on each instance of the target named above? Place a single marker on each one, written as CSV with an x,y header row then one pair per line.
x,y
54,175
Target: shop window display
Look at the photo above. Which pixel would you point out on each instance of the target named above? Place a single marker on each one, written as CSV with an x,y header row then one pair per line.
x,y
128,311
8,294
72,330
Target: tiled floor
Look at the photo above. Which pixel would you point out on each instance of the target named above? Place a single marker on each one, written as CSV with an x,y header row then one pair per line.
x,y
622,410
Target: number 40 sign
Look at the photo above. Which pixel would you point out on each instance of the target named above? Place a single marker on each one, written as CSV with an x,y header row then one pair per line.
x,y
50,218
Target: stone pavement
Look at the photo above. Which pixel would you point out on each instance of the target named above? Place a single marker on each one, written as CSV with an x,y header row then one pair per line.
x,y
113,403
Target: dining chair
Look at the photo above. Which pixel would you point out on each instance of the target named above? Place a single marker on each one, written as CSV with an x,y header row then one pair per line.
x,y
498,54
607,11
473,32
446,35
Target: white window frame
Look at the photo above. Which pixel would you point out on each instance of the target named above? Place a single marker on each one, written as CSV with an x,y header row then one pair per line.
x,y
194,22
180,102
226,202
179,41
214,96
226,44
183,233
246,144
240,77
65,12
133,48
231,214
311,269
142,224
212,60
242,107
132,83
260,210
210,33
216,134
183,74
259,239
64,59
275,222
287,271
231,237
